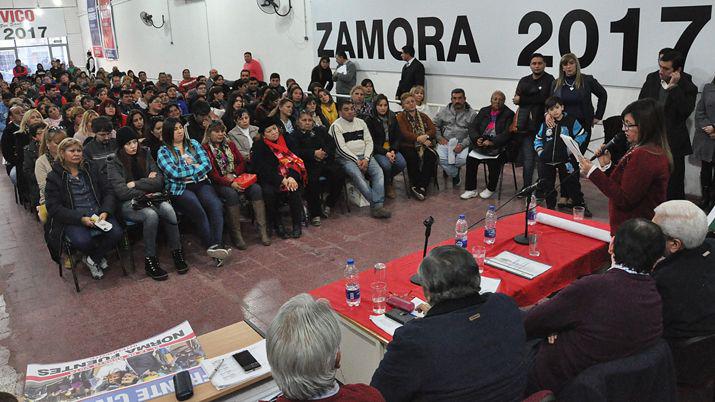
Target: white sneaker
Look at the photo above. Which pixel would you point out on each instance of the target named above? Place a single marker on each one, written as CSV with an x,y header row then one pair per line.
x,y
469,194
103,264
486,193
94,269
217,252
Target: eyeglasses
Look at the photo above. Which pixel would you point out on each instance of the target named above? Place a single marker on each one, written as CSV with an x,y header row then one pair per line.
x,y
627,126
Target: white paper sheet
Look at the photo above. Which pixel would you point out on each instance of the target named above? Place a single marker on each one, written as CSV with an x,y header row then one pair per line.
x,y
342,69
451,156
474,154
230,372
489,285
574,227
388,324
517,265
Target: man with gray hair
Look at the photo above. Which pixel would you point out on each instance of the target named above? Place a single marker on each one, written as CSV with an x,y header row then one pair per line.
x,y
454,123
686,276
303,347
468,347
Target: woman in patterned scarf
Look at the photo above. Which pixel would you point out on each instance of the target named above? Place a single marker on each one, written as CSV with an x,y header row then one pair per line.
x,y
227,165
282,175
417,145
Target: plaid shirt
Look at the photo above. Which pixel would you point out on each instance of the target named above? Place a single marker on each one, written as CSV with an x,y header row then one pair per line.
x,y
177,173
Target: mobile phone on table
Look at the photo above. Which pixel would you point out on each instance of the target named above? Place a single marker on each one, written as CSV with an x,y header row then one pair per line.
x,y
246,360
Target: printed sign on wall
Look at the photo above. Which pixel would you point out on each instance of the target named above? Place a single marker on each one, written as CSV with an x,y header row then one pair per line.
x,y
106,22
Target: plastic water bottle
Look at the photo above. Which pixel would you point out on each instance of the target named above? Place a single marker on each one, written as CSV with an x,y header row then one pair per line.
x,y
531,212
352,284
460,232
490,225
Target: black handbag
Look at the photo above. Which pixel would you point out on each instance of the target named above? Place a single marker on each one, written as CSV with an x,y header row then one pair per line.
x,y
150,200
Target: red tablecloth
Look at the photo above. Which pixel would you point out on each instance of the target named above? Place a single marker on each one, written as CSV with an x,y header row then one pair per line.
x,y
570,256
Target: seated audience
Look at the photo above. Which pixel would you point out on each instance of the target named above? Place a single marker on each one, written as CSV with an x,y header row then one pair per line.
x,y
418,91
186,166
31,152
317,149
363,109
74,120
135,180
554,157
198,120
490,136
417,145
686,277
234,103
481,358
47,154
136,122
385,134
8,141
74,194
454,125
601,317
311,106
53,117
152,136
328,107
227,166
303,348
22,139
369,88
354,148
108,108
282,116
102,146
85,126
268,103
282,176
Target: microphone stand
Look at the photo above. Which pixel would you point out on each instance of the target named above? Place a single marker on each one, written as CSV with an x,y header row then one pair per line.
x,y
428,231
523,239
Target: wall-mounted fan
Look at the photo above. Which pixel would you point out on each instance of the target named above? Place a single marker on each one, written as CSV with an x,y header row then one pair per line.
x,y
273,7
148,20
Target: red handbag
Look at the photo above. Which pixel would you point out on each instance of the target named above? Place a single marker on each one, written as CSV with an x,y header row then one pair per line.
x,y
245,180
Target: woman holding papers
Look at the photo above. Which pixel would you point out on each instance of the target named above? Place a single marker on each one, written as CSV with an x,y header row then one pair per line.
x,y
639,181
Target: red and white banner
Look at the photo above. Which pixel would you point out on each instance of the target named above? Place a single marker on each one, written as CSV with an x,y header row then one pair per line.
x,y
106,22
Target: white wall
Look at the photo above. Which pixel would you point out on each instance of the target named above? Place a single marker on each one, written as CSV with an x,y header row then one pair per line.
x,y
75,43
215,34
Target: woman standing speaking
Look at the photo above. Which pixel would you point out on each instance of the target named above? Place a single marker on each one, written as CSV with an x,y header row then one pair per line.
x,y
639,181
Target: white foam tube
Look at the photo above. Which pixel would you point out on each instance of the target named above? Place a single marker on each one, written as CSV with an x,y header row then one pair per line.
x,y
574,227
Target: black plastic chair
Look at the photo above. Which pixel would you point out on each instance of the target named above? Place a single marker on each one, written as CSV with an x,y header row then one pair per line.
x,y
694,360
68,252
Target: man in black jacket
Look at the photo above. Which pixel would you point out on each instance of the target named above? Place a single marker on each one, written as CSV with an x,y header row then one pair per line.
x,y
531,93
675,91
317,149
686,278
413,72
8,140
468,347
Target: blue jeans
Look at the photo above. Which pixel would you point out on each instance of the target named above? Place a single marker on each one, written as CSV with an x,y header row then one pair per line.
x,y
460,160
94,242
375,193
528,158
149,218
390,170
204,209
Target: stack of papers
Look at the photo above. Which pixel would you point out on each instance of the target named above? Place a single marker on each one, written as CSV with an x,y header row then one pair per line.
x,y
517,265
230,373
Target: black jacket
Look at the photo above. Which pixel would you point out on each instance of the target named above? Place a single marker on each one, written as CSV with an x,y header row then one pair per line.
x,y
97,153
412,75
590,87
117,177
322,76
501,128
265,164
308,142
7,145
686,283
30,154
678,107
532,95
194,129
60,205
377,131
469,349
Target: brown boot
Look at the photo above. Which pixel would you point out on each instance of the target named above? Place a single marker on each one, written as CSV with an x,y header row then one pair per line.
x,y
259,210
390,191
234,224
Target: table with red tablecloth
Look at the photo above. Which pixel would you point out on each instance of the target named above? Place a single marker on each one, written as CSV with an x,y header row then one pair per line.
x,y
570,256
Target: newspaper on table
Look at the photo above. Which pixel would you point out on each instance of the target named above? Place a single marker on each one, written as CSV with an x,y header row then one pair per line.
x,y
133,373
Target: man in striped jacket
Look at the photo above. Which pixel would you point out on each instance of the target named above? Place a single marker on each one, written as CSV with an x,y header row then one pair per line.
x,y
354,153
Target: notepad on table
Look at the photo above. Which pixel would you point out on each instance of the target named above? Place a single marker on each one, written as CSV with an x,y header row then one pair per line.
x,y
230,373
517,265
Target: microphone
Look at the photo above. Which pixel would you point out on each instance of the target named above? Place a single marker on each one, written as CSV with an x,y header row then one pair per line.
x,y
614,142
529,189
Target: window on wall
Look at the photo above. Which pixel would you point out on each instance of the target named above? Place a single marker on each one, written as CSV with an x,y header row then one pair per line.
x,y
32,52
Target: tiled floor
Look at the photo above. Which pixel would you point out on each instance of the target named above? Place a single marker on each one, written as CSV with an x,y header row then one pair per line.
x,y
49,322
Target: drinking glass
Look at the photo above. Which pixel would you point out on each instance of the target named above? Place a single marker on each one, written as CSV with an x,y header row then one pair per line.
x,y
578,213
479,253
379,297
534,236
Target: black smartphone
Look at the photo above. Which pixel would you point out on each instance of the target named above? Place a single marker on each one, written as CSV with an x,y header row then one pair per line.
x,y
183,388
246,360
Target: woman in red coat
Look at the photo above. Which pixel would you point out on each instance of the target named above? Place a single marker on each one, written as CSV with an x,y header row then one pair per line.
x,y
639,181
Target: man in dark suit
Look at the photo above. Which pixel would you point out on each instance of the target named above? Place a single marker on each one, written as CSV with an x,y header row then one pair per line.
x,y
482,355
413,72
675,91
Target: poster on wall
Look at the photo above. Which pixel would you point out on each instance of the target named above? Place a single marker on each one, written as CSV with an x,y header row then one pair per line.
x,y
106,22
134,373
94,28
616,41
27,23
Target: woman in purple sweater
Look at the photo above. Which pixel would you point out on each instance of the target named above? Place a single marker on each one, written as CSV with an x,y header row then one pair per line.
x,y
600,317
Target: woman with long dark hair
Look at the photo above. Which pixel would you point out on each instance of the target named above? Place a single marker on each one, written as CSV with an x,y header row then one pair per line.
x,y
186,166
385,134
322,74
137,122
234,103
152,135
268,103
639,181
108,108
133,174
